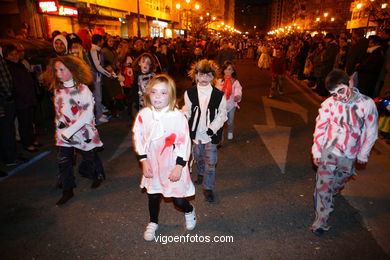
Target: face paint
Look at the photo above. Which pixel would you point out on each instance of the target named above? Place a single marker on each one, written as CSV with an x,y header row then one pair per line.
x,y
341,93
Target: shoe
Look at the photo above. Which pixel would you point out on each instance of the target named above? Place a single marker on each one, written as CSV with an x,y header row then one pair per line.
x,y
209,196
318,232
31,149
190,219
66,195
101,120
230,136
150,231
199,180
96,183
3,174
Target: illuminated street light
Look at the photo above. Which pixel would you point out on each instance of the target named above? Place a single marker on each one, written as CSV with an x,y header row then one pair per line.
x,y
317,19
332,19
207,14
325,14
201,18
197,7
188,1
214,18
178,6
358,6
384,6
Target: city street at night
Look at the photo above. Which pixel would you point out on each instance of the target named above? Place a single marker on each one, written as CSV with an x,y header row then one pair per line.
x,y
264,194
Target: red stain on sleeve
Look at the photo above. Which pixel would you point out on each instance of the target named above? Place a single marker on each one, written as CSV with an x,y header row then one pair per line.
x,y
169,141
327,110
355,135
340,109
370,118
140,119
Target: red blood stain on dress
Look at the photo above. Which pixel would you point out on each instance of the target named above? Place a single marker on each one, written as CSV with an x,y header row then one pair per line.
x,y
169,141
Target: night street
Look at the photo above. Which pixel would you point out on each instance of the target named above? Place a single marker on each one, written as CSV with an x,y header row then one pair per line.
x,y
264,189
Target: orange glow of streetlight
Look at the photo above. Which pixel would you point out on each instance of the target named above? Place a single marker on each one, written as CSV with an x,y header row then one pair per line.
x,y
197,6
201,18
178,6
332,19
358,6
207,14
384,6
188,1
325,14
214,18
317,19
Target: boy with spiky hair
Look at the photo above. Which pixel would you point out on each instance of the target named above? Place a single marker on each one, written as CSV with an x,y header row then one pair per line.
x,y
346,130
205,109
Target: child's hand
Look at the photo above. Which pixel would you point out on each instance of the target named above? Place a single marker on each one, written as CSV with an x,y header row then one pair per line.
x,y
237,98
146,169
175,174
316,161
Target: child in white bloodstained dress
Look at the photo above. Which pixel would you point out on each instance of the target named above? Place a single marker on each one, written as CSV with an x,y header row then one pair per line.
x,y
162,142
346,130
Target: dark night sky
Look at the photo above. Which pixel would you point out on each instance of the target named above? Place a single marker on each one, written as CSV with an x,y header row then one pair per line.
x,y
258,2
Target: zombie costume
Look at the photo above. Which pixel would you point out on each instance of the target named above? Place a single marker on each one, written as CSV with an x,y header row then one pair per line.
x,y
162,138
345,131
231,88
76,122
141,80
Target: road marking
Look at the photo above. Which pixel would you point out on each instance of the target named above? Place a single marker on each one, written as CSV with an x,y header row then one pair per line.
x,y
309,97
122,148
25,165
276,138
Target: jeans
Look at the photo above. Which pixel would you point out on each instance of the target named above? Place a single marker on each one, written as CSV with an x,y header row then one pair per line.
x,y
205,156
230,121
7,136
91,166
277,84
97,94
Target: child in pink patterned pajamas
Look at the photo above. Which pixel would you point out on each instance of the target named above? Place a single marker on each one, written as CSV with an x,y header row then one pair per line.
x,y
163,144
346,130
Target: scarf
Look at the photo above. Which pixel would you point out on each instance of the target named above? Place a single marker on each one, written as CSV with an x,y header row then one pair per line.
x,y
227,86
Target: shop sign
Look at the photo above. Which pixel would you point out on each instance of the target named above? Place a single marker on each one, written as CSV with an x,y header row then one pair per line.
x,y
160,24
52,7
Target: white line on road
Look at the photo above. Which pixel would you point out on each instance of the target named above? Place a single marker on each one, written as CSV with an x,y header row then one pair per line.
x,y
26,164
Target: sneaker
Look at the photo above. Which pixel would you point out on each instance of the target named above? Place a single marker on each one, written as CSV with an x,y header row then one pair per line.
x,y
101,120
209,196
230,136
190,219
318,232
150,231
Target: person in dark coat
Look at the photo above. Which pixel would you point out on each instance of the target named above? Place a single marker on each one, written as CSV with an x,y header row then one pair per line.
x,y
370,68
357,51
25,97
225,53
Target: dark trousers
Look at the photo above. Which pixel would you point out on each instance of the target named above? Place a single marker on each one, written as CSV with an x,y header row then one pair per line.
x,y
26,125
90,167
154,205
7,135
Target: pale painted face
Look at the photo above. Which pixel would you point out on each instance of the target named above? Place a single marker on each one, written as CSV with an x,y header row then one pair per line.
x,y
62,72
204,79
341,93
159,96
144,64
59,46
228,71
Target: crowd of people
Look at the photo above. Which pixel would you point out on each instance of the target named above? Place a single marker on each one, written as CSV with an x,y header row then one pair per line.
x,y
95,77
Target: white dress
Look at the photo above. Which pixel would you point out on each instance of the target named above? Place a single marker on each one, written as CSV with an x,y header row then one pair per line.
x,y
163,136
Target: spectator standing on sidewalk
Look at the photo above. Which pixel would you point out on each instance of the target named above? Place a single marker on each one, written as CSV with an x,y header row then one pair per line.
x,y
96,59
357,51
346,130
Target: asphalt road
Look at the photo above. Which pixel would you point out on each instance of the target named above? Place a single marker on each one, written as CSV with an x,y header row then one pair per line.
x,y
264,188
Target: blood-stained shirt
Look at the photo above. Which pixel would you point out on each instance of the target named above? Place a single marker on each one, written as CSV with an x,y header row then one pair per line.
x,y
346,129
74,118
162,138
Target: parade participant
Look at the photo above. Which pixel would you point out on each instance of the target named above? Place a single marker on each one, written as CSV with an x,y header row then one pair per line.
x,y
346,130
278,69
67,77
163,145
205,109
264,61
144,68
233,93
60,45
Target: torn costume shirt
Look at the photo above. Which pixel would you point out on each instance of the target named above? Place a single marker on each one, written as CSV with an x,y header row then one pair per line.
x,y
162,138
346,129
74,117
